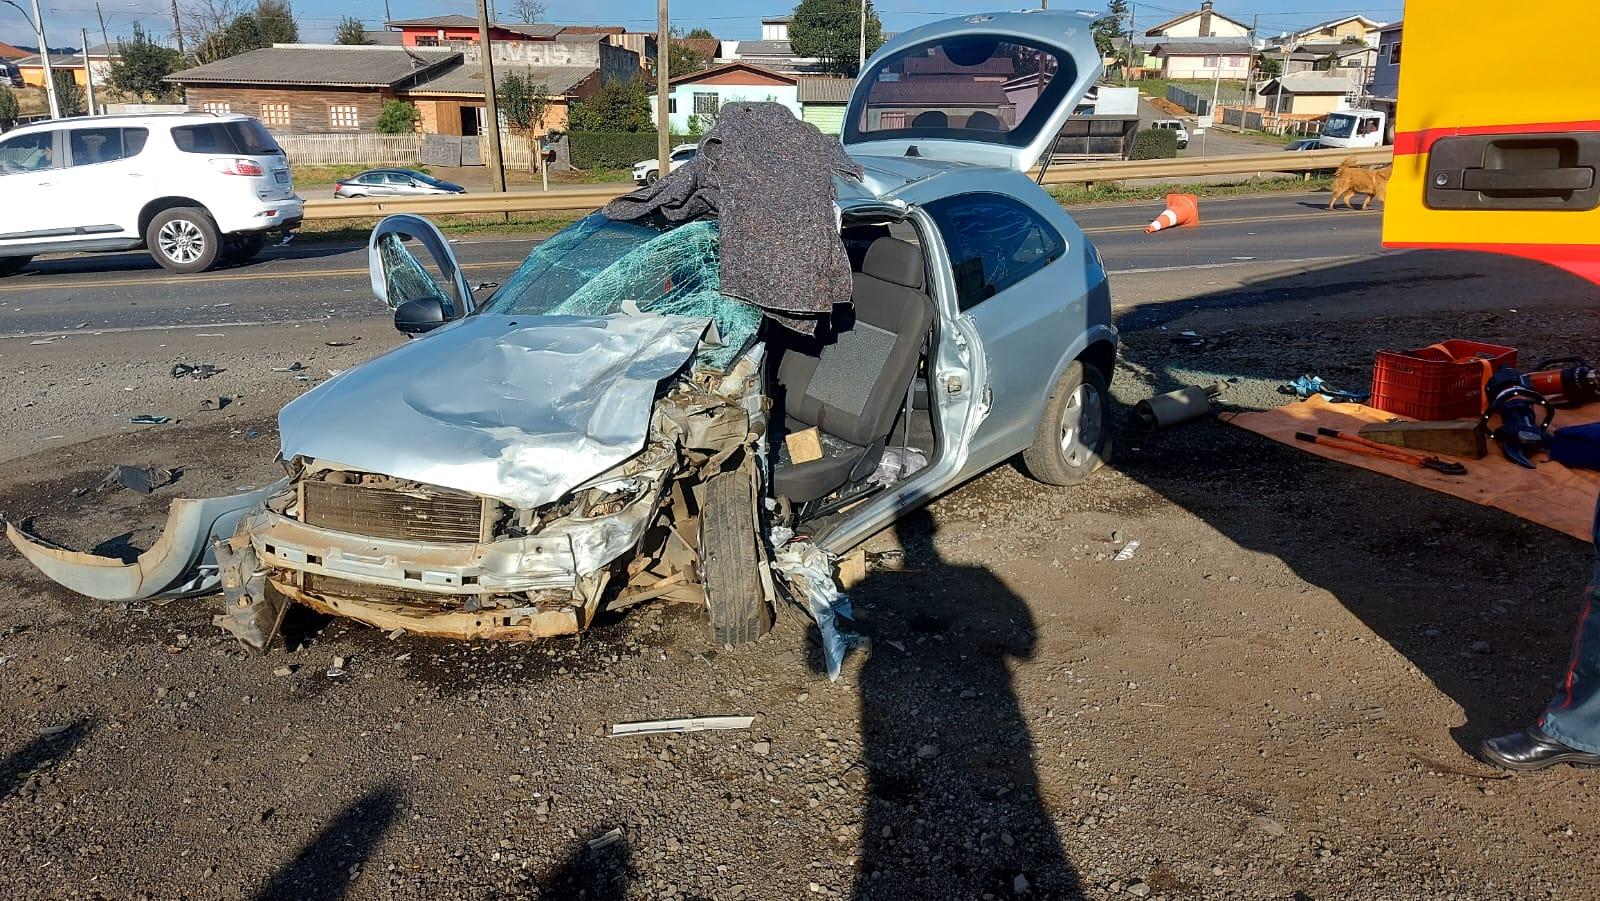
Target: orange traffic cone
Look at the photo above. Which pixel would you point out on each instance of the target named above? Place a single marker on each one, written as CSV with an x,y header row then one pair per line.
x,y
1182,209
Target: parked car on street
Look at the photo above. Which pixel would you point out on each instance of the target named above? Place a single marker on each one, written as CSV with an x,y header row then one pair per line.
x,y
1174,125
609,428
1303,144
394,183
192,188
645,172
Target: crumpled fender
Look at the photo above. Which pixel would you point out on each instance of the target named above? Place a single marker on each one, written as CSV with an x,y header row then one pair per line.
x,y
182,562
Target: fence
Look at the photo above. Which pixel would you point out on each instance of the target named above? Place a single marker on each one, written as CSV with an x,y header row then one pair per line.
x,y
359,150
1199,104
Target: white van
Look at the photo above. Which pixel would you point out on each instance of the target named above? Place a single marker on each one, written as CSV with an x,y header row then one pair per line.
x,y
193,188
1353,128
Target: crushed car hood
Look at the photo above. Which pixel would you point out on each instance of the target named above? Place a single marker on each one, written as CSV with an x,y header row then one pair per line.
x,y
519,408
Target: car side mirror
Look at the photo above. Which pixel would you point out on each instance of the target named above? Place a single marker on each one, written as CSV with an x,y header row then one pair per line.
x,y
398,275
421,315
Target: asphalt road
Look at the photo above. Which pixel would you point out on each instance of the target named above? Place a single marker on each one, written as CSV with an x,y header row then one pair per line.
x,y
320,282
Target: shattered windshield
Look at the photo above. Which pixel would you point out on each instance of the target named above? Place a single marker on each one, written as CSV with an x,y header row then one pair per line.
x,y
595,266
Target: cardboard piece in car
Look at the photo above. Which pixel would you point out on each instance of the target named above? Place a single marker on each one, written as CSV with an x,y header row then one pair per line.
x,y
804,446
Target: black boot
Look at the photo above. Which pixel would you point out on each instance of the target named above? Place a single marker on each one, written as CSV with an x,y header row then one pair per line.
x,y
1533,750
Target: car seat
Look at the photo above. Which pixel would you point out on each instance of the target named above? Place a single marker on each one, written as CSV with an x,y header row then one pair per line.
x,y
931,119
852,385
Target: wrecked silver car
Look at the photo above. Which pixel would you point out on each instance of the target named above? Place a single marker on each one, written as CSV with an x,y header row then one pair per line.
x,y
622,421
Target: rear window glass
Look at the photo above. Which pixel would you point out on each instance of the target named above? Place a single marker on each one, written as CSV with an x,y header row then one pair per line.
x,y
965,88
243,138
28,153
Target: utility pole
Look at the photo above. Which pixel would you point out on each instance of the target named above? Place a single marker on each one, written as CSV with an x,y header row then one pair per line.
x,y
44,57
1128,61
663,73
104,37
88,73
491,100
861,48
177,26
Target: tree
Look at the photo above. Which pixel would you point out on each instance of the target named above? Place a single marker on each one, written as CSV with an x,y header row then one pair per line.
x,y
68,95
222,28
1108,27
524,105
618,106
701,33
1355,39
681,58
8,108
142,67
1269,66
397,118
528,11
350,31
830,30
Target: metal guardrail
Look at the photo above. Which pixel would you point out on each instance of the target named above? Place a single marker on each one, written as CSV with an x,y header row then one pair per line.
x,y
1075,174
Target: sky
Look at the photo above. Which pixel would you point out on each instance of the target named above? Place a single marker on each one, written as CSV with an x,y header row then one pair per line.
x,y
725,18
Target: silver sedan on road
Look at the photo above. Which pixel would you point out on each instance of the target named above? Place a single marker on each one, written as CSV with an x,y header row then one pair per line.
x,y
394,183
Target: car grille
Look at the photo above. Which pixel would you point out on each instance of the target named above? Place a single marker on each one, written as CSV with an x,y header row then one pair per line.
x,y
386,513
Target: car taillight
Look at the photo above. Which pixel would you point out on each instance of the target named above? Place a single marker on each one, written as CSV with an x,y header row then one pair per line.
x,y
237,167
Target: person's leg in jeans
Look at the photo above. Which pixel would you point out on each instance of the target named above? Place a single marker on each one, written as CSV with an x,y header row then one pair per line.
x,y
1569,730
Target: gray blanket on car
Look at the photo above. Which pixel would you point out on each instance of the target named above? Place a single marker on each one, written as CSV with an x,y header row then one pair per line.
x,y
768,178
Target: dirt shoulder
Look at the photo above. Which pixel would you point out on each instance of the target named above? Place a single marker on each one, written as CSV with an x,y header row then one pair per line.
x,y
1268,700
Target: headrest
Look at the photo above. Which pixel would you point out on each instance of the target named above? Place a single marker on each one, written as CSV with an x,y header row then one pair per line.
x,y
894,260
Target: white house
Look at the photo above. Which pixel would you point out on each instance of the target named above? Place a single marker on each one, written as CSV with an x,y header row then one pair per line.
x,y
1203,57
703,93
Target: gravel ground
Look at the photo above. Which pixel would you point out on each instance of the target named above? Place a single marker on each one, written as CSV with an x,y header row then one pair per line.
x,y
1270,699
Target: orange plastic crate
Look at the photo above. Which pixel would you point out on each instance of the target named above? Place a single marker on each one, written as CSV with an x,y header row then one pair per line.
x,y
1442,381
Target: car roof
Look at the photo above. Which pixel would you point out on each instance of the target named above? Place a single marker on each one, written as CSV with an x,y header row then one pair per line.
x,y
169,119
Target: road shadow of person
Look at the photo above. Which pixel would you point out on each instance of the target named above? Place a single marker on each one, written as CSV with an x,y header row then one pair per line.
x,y
321,871
954,807
1481,602
592,873
46,750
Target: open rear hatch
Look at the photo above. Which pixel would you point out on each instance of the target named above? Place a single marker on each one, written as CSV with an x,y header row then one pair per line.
x,y
992,89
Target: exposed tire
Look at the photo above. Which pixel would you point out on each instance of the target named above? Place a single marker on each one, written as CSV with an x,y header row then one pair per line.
x,y
729,560
1074,436
12,265
239,248
184,239
651,177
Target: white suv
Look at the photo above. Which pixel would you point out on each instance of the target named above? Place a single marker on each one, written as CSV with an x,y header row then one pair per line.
x,y
645,172
193,188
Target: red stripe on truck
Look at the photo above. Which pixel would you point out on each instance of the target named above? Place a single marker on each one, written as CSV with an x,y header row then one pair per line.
x,y
1409,143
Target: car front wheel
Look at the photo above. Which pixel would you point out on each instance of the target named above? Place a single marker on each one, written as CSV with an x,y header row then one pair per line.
x,y
1074,436
651,177
184,239
13,265
730,565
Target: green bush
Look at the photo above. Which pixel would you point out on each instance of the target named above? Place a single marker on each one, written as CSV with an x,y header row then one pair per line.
x,y
614,149
398,118
1155,144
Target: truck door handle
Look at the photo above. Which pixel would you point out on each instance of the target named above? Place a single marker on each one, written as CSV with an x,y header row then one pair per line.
x,y
1544,181
1532,171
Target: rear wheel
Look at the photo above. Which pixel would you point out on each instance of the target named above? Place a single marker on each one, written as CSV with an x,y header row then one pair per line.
x,y
239,248
1074,437
729,561
12,265
184,239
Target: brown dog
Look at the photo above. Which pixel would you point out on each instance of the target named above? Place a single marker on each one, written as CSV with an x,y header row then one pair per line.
x,y
1351,180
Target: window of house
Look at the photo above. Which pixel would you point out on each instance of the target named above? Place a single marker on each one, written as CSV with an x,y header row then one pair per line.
x,y
344,117
1394,54
216,106
105,145
1209,61
706,104
275,114
672,105
994,242
427,41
